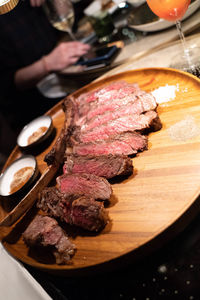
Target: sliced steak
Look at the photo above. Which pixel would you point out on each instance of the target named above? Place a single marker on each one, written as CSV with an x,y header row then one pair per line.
x,y
140,105
97,127
127,143
117,126
87,213
85,184
82,211
44,231
107,166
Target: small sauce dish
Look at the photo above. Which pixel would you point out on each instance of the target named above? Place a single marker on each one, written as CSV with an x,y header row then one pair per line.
x,y
35,132
18,176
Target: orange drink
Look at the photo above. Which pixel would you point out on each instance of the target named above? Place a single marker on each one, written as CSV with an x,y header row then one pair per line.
x,y
174,10
170,10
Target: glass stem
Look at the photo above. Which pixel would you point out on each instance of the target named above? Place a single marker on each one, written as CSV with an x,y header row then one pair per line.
x,y
181,34
183,42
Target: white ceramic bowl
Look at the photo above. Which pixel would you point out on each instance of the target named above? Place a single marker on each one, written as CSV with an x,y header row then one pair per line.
x,y
25,169
159,24
41,127
136,3
53,86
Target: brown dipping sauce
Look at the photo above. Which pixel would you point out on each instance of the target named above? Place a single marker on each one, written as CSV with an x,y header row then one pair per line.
x,y
37,134
20,178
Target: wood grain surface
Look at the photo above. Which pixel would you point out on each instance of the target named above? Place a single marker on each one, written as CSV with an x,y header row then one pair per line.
x,y
146,209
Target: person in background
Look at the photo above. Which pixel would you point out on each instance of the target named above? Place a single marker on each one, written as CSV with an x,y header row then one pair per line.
x,y
29,51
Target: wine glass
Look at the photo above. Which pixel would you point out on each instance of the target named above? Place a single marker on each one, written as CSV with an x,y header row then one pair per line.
x,y
174,10
61,15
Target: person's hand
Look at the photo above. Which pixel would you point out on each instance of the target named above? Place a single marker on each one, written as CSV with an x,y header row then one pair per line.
x,y
64,55
36,3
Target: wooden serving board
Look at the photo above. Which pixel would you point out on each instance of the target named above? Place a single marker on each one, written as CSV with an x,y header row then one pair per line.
x,y
149,207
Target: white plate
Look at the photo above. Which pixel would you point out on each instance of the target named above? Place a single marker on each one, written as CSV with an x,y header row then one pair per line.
x,y
136,2
161,24
52,87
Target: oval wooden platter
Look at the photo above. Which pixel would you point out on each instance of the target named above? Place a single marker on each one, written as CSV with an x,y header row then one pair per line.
x,y
149,207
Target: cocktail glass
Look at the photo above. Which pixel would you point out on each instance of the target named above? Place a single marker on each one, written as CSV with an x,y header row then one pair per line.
x,y
174,10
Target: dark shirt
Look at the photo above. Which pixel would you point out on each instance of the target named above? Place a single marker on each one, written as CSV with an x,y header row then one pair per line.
x,y
25,36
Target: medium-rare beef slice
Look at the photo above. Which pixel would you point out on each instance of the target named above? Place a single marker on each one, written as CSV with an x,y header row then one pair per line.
x,y
93,109
138,107
117,126
56,154
131,104
84,184
80,211
44,231
107,166
127,143
108,92
121,96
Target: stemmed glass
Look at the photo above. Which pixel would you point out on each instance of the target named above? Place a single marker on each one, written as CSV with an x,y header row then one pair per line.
x,y
61,15
174,10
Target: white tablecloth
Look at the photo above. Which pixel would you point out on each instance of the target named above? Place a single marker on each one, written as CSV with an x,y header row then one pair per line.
x,y
16,283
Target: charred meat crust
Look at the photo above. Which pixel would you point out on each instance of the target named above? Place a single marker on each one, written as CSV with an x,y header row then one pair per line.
x,y
56,154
